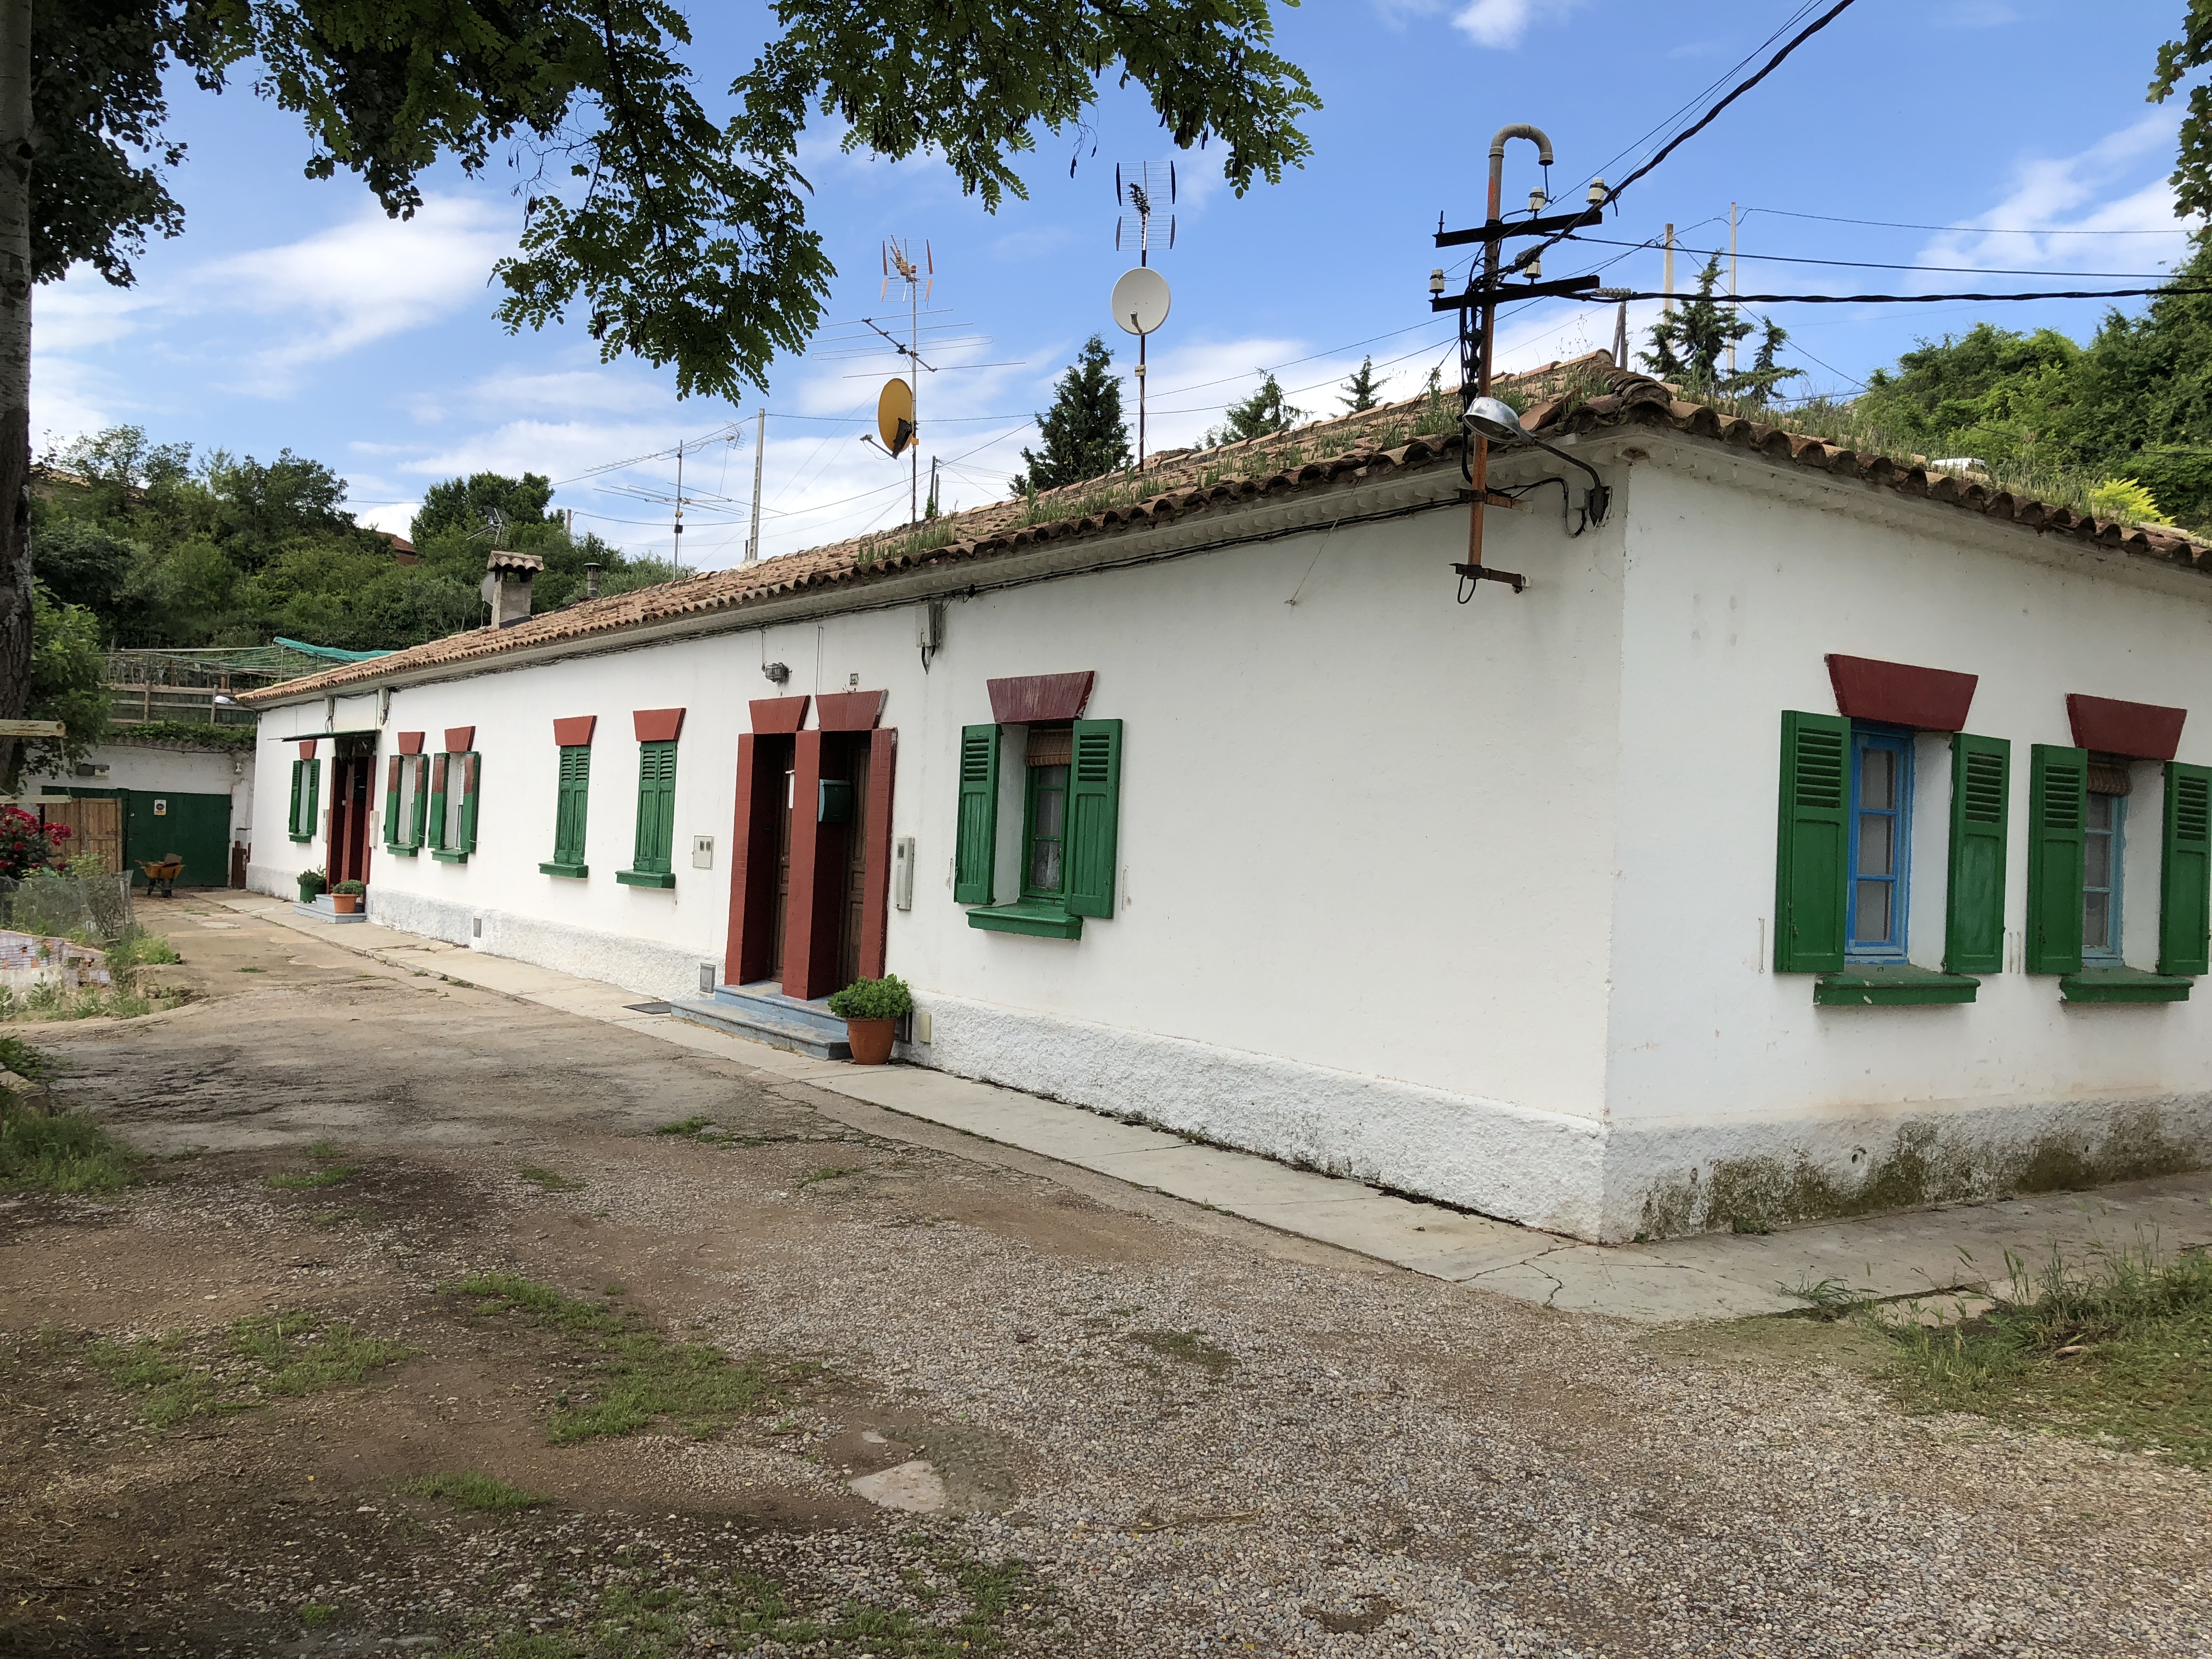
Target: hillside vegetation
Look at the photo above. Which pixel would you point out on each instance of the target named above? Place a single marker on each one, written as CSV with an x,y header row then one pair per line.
x,y
167,550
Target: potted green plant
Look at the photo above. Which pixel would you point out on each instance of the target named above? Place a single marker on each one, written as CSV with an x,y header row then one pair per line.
x,y
312,882
346,896
872,1009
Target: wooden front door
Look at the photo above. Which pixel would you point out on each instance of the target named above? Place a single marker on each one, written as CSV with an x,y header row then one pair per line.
x,y
783,872
350,788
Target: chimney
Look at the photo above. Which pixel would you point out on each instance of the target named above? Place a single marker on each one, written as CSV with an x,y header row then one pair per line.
x,y
506,586
592,568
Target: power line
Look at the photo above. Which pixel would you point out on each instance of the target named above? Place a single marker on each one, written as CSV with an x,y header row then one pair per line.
x,y
1976,230
1879,264
1915,298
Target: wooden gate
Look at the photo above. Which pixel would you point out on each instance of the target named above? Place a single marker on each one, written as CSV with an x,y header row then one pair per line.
x,y
95,826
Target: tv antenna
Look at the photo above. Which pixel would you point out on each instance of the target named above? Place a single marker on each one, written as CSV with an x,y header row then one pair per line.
x,y
1139,304
911,280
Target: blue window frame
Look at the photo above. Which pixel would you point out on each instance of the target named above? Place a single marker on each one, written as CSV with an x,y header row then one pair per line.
x,y
2103,844
1882,843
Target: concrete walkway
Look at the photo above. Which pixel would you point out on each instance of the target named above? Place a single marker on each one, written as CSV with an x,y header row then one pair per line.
x,y
1936,1254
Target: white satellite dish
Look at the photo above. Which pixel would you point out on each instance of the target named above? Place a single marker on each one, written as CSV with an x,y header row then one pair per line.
x,y
1141,300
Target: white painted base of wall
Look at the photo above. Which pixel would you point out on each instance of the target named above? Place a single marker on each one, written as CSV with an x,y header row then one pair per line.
x,y
660,971
1544,1169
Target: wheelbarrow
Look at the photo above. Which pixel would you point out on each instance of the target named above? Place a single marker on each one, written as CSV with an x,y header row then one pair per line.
x,y
162,875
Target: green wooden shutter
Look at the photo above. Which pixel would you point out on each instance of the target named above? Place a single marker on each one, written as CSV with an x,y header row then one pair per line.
x,y
1094,807
422,765
292,818
437,811
303,827
471,783
656,807
1974,910
1812,866
975,847
2058,810
571,815
2185,881
392,831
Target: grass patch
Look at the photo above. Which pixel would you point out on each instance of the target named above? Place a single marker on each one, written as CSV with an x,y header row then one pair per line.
x,y
690,1128
637,1378
828,1172
254,970
471,1491
271,1356
962,1607
2121,1349
329,1175
546,1178
1191,1347
64,1153
139,949
315,1615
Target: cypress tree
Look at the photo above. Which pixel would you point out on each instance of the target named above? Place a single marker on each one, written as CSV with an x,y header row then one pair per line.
x,y
1084,435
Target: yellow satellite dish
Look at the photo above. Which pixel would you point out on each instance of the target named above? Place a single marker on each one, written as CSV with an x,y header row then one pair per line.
x,y
895,416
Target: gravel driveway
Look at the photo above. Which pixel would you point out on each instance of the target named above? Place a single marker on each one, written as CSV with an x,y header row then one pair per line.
x,y
1167,1432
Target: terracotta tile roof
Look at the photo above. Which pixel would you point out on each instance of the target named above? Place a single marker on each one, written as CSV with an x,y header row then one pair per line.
x,y
1195,481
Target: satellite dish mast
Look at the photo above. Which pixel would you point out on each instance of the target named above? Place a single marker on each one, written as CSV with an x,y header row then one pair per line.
x,y
917,277
1139,304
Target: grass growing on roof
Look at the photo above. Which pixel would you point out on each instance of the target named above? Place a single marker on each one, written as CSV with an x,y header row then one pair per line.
x,y
638,1377
2121,1349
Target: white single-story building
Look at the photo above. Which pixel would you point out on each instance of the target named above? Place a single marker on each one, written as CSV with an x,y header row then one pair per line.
x,y
1814,833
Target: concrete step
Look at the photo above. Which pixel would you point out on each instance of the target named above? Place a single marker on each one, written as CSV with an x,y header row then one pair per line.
x,y
766,1015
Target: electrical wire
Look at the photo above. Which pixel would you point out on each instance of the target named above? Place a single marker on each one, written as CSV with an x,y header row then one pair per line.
x,y
1878,264
1917,299
1973,230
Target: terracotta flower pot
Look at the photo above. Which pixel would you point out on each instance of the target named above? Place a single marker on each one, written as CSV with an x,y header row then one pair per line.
x,y
345,903
870,1040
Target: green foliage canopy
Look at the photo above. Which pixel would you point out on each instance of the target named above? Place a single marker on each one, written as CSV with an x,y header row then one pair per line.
x,y
1265,412
1084,434
1690,344
2193,173
672,233
2135,403
164,552
69,683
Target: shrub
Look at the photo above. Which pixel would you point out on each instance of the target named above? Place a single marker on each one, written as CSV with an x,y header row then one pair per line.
x,y
355,888
887,998
312,881
26,845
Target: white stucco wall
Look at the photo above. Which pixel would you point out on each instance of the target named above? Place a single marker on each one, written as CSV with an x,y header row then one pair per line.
x,y
1741,577
1363,838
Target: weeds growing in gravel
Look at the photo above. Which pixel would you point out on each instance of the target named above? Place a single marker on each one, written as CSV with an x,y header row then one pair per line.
x,y
1189,1346
828,1172
268,1356
330,1172
471,1491
547,1179
637,1377
60,1152
966,1608
2121,1349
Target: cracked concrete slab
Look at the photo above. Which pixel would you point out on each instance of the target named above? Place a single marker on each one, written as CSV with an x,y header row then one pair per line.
x,y
1962,1249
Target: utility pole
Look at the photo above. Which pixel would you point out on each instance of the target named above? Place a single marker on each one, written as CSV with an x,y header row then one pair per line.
x,y
1484,294
1732,307
760,443
1666,275
680,503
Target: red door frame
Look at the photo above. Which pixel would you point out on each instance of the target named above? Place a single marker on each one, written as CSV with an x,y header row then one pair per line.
x,y
816,891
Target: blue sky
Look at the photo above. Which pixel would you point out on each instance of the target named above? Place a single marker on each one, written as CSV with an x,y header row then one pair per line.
x,y
292,313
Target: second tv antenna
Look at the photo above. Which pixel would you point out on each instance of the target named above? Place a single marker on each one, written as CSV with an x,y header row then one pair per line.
x,y
1139,304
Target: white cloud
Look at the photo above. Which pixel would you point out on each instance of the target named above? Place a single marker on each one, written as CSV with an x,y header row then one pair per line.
x,y
1500,25
2102,188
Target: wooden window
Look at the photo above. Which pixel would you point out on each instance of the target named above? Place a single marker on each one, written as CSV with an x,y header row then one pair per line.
x,y
1044,823
2057,818
1974,898
571,812
1809,863
306,789
651,860
2185,898
1880,843
407,797
456,783
2103,832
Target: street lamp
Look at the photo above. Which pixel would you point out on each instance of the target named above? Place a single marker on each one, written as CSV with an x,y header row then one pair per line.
x,y
1494,418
